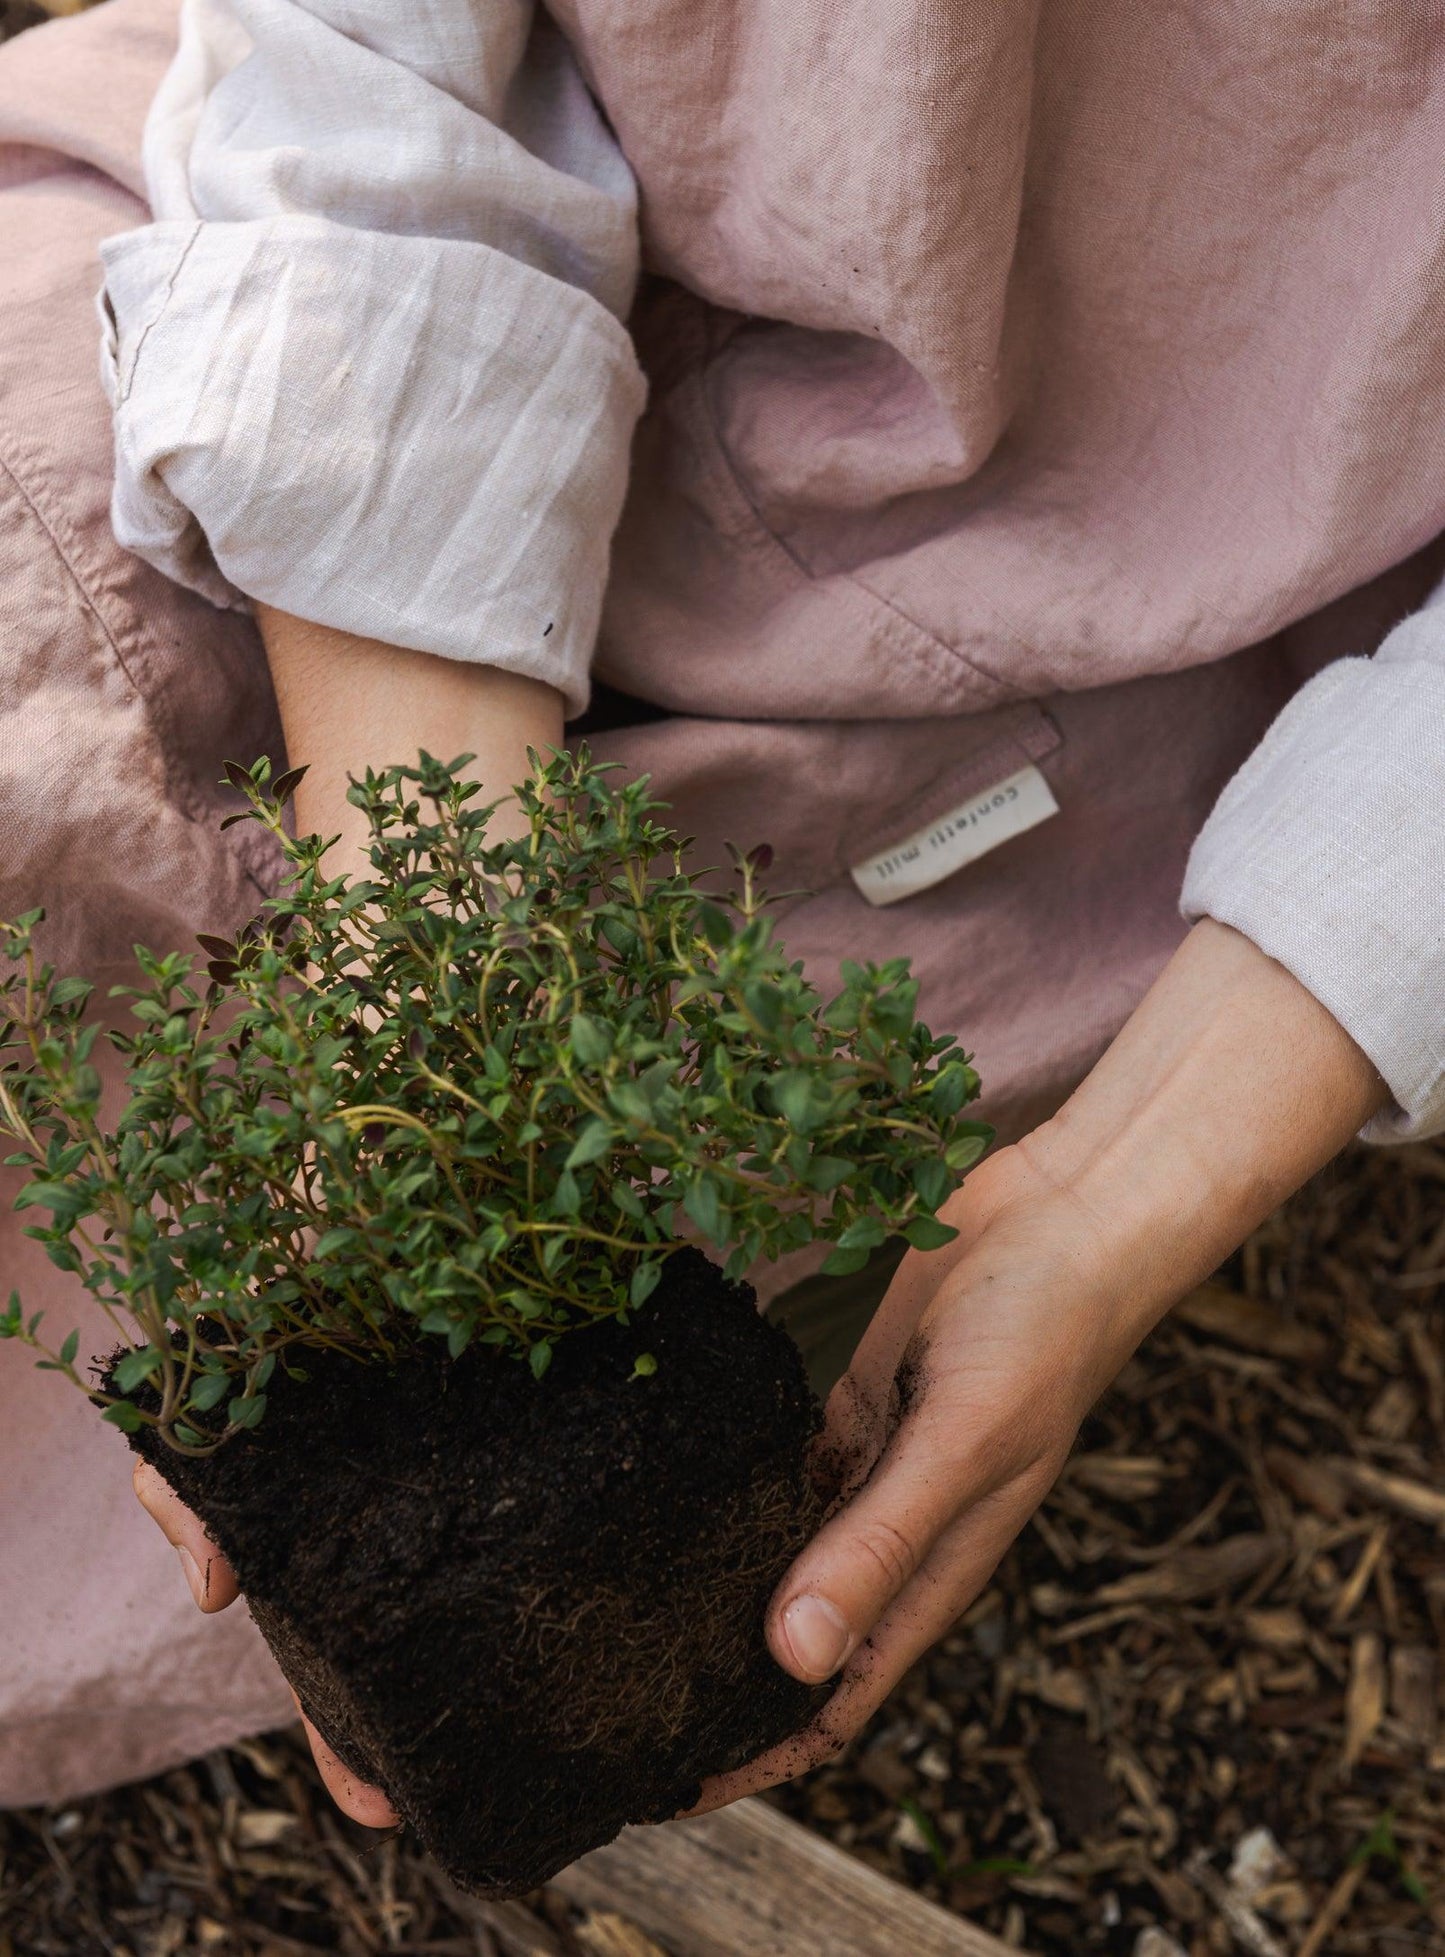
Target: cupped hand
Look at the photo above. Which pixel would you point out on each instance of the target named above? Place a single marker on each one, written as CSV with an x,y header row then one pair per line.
x,y
1228,1087
213,1585
953,1422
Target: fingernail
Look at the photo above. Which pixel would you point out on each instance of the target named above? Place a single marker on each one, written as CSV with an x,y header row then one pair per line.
x,y
818,1636
193,1575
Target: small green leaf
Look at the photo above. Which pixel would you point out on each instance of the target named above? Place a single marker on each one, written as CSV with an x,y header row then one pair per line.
x,y
136,1366
209,1390
826,1172
539,1359
591,1145
934,1182
645,1280
866,1234
285,786
69,1349
645,1366
245,1413
927,1233
963,1153
591,1040
717,926
703,1205
123,1415
802,1101
843,1263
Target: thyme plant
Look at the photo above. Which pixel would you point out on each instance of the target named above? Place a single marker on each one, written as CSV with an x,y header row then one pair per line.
x,y
482,1094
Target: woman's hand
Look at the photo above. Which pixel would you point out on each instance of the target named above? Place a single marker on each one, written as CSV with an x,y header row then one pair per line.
x,y
1227,1089
348,704
213,1585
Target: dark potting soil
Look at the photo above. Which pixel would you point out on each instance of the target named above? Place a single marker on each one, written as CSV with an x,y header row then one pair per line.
x,y
531,1611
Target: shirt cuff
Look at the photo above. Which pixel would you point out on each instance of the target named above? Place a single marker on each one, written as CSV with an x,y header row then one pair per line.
x,y
1328,850
422,441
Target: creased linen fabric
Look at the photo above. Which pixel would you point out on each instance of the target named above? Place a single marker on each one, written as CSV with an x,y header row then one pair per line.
x,y
1328,850
367,364
996,352
1224,414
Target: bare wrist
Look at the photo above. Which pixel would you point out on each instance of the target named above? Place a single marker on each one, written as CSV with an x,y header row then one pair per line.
x,y
1229,1087
349,703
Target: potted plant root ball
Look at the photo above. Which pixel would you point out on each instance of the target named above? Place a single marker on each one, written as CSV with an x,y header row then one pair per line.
x,y
402,1226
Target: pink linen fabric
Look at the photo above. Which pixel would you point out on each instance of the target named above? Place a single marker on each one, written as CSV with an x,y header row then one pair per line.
x,y
1004,349
120,695
865,599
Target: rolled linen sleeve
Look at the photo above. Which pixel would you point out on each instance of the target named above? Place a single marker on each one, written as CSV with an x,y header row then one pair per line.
x,y
1328,850
368,362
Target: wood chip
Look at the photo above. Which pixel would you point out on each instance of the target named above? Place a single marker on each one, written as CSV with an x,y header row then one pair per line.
x,y
264,1827
1393,1413
1396,1492
1364,1697
604,1934
1247,1928
1354,1587
1194,1573
1224,1314
1414,1692
1317,1484
1280,1629
1337,1907
1158,1943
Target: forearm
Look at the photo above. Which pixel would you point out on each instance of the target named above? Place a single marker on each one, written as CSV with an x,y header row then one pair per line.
x,y
1229,1087
349,703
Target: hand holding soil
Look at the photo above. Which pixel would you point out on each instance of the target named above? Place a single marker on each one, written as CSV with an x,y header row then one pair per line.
x,y
398,1233
1227,1089
213,1585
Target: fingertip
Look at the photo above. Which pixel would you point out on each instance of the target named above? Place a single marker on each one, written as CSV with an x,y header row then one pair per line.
x,y
811,1638
357,1799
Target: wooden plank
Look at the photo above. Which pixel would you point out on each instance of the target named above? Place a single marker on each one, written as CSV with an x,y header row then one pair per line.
x,y
748,1882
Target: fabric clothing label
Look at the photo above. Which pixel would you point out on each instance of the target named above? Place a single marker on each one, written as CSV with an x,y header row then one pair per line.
x,y
963,835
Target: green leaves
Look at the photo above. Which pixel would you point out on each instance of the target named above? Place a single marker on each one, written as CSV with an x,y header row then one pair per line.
x,y
591,1040
133,1368
474,1095
209,1391
803,1100
933,1180
645,1280
703,1203
927,1233
591,1145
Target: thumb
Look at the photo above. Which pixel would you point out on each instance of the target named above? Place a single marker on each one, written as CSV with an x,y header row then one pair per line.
x,y
858,1563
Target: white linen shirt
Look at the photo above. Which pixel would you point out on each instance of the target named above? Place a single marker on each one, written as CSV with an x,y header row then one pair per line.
x,y
368,363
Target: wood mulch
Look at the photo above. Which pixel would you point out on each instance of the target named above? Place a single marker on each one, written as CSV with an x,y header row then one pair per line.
x,y
1202,1701
1199,1711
